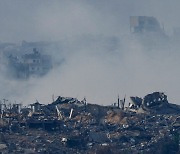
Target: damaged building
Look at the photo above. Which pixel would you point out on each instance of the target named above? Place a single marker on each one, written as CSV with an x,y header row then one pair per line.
x,y
29,65
144,24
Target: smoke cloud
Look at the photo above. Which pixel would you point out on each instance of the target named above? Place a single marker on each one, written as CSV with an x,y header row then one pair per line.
x,y
101,58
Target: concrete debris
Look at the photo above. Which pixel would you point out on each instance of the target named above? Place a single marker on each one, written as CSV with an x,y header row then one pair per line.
x,y
68,125
136,102
156,102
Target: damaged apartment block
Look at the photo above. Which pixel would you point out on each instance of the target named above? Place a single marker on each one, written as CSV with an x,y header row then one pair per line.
x,y
29,65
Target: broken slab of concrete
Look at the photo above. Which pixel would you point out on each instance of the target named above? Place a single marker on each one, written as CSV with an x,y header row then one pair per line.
x,y
155,102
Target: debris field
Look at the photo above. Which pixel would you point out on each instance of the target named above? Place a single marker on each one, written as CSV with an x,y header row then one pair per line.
x,y
67,125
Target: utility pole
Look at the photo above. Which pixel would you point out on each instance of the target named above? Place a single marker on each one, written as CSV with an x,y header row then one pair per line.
x,y
118,101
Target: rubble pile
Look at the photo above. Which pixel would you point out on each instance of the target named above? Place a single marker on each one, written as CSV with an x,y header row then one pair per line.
x,y
153,103
71,126
115,118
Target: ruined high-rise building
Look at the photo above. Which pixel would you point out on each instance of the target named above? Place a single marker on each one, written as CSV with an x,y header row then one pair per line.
x,y
144,24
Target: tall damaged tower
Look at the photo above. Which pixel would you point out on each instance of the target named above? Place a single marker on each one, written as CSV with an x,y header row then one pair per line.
x,y
144,24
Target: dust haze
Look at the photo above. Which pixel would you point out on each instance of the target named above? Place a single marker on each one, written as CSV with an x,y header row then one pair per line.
x,y
101,57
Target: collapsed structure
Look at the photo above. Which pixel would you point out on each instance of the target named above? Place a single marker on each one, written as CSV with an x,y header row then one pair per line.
x,y
68,125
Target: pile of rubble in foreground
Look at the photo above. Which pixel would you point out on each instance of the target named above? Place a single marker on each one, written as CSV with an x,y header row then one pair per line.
x,y
148,125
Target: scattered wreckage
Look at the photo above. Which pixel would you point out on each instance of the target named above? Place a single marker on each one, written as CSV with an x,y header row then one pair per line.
x,y
68,125
154,103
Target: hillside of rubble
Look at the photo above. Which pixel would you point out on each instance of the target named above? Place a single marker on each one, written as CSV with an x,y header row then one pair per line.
x,y
67,125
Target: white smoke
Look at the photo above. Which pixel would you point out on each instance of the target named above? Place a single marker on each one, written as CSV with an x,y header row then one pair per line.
x,y
101,59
